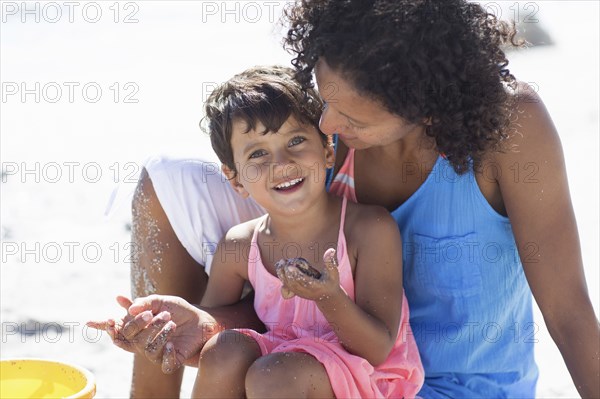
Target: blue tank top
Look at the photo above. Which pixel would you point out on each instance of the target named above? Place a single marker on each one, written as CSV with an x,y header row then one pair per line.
x,y
470,304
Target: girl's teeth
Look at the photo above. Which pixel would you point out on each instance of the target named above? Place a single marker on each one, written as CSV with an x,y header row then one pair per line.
x,y
289,183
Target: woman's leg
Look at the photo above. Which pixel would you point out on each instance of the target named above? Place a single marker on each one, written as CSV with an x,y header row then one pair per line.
x,y
288,375
160,265
224,362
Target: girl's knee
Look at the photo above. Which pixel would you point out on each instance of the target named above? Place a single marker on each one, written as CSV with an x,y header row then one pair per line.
x,y
228,349
264,378
281,375
224,361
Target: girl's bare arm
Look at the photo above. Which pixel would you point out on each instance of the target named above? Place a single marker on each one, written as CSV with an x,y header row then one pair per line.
x,y
367,327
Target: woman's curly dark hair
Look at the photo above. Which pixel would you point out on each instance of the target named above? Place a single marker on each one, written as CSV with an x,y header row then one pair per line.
x,y
440,61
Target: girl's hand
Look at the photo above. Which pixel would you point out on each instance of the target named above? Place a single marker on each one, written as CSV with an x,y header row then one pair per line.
x,y
122,330
295,282
167,330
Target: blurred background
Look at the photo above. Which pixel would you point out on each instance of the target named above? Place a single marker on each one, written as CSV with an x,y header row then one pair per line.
x,y
92,89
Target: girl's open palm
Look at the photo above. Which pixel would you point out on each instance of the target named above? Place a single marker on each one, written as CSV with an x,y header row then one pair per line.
x,y
296,282
166,329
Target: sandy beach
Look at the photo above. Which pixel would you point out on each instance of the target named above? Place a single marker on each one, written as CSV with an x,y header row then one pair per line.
x,y
92,89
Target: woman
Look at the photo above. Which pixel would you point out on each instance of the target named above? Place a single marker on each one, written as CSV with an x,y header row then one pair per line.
x,y
435,128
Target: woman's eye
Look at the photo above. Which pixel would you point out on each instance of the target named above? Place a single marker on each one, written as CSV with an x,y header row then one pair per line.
x,y
354,126
257,154
296,140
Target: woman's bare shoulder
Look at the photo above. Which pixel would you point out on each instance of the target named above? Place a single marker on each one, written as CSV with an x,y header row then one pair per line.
x,y
531,133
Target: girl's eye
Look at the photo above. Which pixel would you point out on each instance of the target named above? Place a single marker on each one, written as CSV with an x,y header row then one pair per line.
x,y
257,154
296,140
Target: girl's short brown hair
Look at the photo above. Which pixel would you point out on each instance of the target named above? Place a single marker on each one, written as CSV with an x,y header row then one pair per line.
x,y
268,95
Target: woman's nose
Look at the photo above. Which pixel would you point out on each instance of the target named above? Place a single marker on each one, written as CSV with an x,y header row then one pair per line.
x,y
327,123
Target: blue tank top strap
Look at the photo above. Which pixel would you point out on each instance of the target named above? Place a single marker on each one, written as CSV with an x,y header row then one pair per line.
x,y
329,172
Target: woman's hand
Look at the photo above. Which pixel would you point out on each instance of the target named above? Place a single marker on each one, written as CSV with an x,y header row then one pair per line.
x,y
295,282
166,329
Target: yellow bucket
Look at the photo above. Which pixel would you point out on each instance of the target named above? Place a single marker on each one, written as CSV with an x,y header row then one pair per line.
x,y
38,378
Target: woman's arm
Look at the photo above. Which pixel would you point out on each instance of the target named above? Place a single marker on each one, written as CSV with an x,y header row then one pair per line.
x,y
542,218
160,265
368,327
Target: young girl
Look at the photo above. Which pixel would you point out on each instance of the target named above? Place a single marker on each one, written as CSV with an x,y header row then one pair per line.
x,y
342,331
343,334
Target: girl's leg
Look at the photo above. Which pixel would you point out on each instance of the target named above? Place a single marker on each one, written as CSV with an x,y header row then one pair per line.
x,y
288,375
160,265
224,362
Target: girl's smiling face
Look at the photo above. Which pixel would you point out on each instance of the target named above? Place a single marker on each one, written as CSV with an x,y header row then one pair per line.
x,y
283,171
360,121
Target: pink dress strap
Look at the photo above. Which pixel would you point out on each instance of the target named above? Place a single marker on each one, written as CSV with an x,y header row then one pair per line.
x,y
342,220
